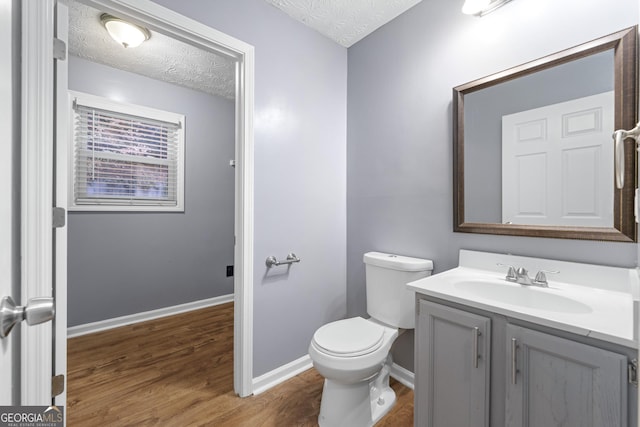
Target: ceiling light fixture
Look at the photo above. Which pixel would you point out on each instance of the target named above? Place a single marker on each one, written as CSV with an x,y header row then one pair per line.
x,y
123,32
482,7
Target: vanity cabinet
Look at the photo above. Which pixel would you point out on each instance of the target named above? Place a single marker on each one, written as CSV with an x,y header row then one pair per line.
x,y
476,368
455,378
558,382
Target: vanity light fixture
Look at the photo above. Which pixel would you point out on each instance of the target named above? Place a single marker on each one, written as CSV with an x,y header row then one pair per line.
x,y
123,32
482,7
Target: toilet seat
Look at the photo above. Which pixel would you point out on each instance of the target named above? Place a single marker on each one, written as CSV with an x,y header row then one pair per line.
x,y
349,337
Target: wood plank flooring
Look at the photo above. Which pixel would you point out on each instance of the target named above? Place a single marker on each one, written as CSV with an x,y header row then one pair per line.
x,y
177,371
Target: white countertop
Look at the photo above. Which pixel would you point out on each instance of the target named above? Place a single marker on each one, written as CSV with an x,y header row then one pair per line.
x,y
602,308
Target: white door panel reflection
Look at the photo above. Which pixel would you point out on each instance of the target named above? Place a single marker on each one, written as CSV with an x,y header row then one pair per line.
x,y
557,164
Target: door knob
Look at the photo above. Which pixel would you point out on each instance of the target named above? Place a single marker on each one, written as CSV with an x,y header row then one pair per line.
x,y
38,310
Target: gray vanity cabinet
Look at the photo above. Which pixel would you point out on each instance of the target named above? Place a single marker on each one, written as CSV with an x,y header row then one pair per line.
x,y
480,369
558,382
453,384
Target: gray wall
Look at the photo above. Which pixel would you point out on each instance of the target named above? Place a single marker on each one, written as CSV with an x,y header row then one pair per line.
x,y
126,262
399,152
300,173
485,108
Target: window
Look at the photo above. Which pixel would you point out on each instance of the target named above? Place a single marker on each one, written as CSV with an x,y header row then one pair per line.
x,y
125,157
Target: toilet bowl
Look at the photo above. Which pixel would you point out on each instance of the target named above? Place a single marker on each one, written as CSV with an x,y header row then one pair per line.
x,y
348,361
351,394
353,355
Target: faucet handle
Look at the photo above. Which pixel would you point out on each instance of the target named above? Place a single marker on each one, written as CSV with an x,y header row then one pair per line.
x,y
511,272
541,277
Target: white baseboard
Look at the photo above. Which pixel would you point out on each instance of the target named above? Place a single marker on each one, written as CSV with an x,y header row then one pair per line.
x,y
116,322
402,375
272,378
279,375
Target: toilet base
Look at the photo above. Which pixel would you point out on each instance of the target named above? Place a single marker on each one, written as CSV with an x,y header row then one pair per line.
x,y
381,406
356,405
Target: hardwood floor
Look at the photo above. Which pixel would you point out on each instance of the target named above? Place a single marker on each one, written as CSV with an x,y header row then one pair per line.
x,y
177,371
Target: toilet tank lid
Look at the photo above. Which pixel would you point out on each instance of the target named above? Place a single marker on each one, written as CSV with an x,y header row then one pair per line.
x,y
397,262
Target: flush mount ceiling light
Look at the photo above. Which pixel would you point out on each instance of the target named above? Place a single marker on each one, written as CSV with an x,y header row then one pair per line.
x,y
123,32
482,7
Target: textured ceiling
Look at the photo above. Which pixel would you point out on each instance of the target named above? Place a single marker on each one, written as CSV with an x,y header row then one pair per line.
x,y
160,57
166,59
345,21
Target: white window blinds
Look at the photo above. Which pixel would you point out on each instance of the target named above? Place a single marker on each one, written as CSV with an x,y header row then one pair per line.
x,y
126,155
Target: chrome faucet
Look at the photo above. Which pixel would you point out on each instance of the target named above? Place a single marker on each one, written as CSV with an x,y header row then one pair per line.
x,y
521,276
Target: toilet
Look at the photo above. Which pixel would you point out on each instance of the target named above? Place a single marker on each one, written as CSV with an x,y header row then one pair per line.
x,y
353,355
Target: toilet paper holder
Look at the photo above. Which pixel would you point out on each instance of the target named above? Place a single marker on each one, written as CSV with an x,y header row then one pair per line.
x,y
273,261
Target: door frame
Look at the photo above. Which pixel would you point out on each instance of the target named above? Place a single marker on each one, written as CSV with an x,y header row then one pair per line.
x,y
37,110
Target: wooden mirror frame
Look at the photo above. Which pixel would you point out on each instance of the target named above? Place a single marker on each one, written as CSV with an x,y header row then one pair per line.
x,y
625,89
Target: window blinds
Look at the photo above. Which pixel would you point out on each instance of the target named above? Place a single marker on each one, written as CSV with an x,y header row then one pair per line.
x,y
125,159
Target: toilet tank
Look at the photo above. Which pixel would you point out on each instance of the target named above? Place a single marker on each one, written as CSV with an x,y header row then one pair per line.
x,y
388,299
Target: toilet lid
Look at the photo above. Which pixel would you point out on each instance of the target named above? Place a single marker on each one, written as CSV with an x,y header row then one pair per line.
x,y
349,337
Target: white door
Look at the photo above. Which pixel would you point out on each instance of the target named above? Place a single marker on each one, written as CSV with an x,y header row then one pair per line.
x,y
26,255
557,164
7,182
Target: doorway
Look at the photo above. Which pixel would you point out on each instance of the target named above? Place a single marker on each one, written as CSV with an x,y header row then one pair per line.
x,y
151,207
171,24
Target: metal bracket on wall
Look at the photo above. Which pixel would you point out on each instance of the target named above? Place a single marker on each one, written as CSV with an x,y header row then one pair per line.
x,y
273,261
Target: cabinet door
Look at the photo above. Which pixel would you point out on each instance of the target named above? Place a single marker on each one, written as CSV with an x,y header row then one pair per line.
x,y
557,382
452,367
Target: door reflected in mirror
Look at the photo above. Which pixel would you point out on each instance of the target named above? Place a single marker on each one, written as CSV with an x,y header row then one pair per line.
x,y
533,147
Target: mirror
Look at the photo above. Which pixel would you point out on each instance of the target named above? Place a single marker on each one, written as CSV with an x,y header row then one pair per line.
x,y
533,146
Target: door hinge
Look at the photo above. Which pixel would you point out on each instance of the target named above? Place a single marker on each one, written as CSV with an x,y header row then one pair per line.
x,y
58,217
59,49
57,385
632,372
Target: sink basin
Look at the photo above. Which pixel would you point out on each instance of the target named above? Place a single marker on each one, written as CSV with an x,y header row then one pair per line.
x,y
597,301
520,295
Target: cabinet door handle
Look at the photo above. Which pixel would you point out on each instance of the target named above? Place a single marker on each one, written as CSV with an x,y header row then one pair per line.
x,y
474,350
514,368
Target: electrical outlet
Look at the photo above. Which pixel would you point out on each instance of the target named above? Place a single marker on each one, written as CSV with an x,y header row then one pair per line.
x,y
229,270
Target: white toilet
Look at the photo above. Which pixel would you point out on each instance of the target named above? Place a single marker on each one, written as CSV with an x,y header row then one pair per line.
x,y
353,354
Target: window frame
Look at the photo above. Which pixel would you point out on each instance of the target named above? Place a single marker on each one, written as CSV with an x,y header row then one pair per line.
x,y
123,204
